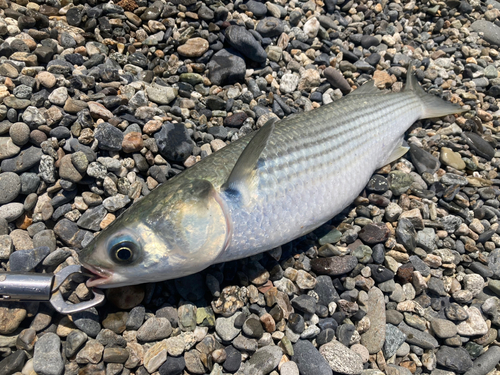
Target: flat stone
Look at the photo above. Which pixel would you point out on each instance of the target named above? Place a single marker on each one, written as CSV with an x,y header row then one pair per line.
x,y
309,360
264,360
7,148
341,359
394,338
194,47
443,328
455,359
490,30
486,362
47,358
417,337
374,338
225,327
334,266
475,325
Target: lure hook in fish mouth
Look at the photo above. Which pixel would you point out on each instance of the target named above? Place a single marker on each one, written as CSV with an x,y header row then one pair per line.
x,y
98,276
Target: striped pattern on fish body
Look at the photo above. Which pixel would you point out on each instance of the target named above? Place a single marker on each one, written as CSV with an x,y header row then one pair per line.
x,y
261,191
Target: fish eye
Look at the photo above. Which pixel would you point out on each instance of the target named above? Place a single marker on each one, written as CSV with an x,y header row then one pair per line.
x,y
124,251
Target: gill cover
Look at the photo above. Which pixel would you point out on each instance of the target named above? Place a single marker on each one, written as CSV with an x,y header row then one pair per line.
x,y
200,226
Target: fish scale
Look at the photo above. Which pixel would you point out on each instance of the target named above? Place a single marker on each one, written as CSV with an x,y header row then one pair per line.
x,y
261,191
342,148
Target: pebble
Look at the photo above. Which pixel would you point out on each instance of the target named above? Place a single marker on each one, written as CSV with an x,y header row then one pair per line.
x,y
373,338
309,360
341,359
47,358
455,359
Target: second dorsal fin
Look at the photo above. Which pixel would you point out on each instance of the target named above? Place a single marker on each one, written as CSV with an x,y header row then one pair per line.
x,y
241,178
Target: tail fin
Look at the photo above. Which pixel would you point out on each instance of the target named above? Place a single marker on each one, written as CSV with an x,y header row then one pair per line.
x,y
433,105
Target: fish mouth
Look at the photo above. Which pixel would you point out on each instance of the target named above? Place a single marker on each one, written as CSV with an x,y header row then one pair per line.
x,y
99,276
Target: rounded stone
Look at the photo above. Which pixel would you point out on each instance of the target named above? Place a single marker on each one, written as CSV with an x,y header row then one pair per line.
x,y
194,47
20,133
10,186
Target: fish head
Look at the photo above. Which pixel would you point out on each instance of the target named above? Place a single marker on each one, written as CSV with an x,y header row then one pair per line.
x,y
175,231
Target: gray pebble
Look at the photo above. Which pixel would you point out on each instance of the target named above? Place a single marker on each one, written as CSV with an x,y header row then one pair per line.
x,y
47,358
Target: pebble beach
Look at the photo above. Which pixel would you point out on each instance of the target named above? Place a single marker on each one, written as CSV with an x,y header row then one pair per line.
x,y
102,102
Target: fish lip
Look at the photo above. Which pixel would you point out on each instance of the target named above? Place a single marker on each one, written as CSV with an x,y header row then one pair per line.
x,y
100,276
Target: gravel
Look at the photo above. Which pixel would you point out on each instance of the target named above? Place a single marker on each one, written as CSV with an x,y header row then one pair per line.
x,y
101,102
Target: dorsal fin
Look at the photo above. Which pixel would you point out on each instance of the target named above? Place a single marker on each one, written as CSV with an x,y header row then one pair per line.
x,y
241,178
366,89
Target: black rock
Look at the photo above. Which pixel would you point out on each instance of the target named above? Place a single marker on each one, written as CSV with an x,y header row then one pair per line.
x,y
380,273
479,145
13,363
325,290
109,137
27,260
174,142
325,336
419,265
378,253
258,9
368,41
243,41
173,366
304,303
423,160
74,16
270,27
233,360
26,22
296,323
226,67
309,360
344,333
378,184
373,59
406,234
69,233
337,80
91,219
87,321
25,160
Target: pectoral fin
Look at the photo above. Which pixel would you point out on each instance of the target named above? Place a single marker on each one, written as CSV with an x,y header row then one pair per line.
x,y
241,180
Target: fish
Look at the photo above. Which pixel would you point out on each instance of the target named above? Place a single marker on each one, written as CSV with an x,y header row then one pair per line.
x,y
261,191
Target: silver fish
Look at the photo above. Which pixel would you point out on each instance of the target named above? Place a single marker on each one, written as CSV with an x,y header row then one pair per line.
x,y
261,191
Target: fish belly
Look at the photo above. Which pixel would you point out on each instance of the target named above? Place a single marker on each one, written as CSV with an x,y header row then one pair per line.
x,y
314,165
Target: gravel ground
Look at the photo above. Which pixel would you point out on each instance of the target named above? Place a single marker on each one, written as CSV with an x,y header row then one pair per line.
x,y
102,102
